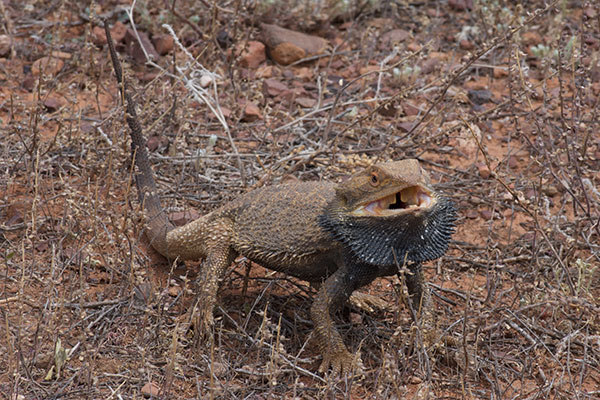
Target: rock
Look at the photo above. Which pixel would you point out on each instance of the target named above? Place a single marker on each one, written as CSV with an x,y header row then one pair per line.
x,y
405,126
117,32
150,389
479,97
471,213
157,141
224,40
550,190
163,44
531,38
251,112
53,103
273,87
306,102
388,110
205,80
29,83
99,36
500,72
4,45
287,46
49,66
466,44
486,214
484,171
135,50
391,38
264,72
410,109
460,5
253,55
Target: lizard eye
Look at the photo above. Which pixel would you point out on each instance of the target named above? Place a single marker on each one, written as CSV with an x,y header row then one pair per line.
x,y
374,179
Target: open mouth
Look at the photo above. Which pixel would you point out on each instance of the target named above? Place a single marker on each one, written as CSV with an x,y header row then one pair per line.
x,y
410,199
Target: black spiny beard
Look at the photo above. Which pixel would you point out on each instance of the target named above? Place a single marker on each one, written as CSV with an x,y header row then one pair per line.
x,y
391,240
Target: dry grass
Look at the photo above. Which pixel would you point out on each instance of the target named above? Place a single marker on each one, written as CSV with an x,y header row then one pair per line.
x,y
520,284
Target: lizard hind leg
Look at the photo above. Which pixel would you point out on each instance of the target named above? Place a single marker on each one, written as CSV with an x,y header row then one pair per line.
x,y
434,340
420,303
219,257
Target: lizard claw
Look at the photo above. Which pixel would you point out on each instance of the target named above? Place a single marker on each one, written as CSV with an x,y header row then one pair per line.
x,y
341,363
203,320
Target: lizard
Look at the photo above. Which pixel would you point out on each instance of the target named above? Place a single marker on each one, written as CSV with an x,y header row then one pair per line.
x,y
337,236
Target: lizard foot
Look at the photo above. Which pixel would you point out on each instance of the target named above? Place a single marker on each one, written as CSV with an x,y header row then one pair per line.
x,y
440,344
367,302
341,363
203,320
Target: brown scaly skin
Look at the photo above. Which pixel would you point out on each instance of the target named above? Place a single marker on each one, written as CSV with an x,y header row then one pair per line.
x,y
339,237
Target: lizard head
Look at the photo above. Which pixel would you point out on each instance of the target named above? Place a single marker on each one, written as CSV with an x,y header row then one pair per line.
x,y
388,213
387,189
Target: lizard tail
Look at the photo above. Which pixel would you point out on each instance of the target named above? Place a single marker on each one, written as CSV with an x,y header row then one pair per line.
x,y
157,224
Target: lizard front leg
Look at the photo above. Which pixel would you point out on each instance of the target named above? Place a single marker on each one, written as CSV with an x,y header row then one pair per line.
x,y
332,294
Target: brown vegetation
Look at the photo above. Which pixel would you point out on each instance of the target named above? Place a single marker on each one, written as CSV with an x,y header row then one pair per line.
x,y
499,101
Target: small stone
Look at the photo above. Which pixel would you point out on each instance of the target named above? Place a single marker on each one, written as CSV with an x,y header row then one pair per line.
x,y
205,80
410,109
253,55
513,162
550,190
466,44
392,38
61,54
118,32
264,72
4,45
99,36
273,87
355,318
531,38
150,389
388,110
434,13
405,126
287,46
460,5
484,171
480,97
53,103
218,368
224,40
29,83
500,72
306,102
287,53
251,112
163,44
135,49
49,66
486,214
471,213
174,291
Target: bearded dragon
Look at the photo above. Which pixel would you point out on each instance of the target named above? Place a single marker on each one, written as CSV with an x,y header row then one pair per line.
x,y
338,236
